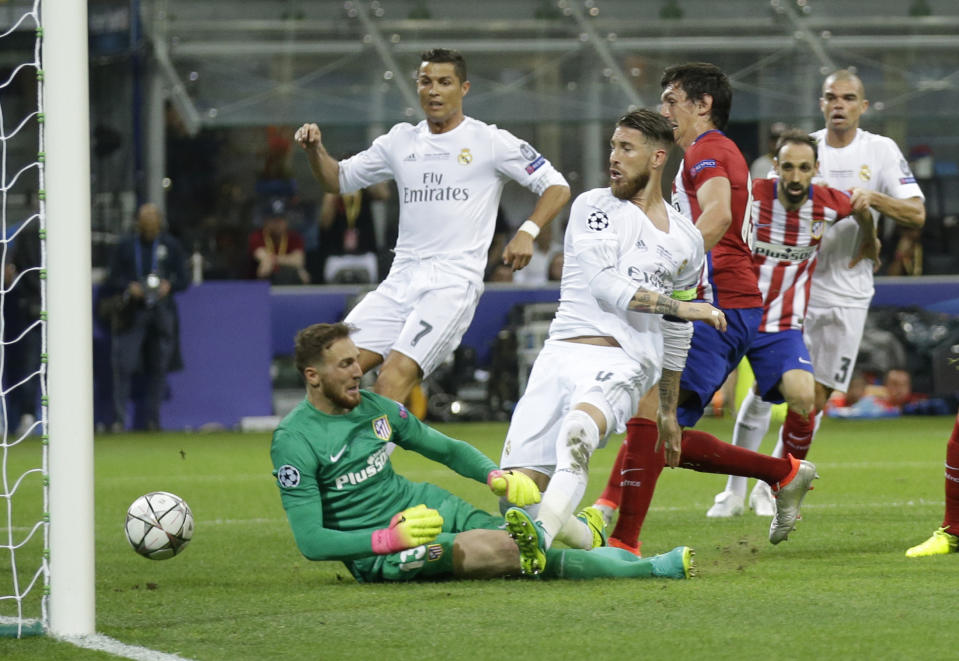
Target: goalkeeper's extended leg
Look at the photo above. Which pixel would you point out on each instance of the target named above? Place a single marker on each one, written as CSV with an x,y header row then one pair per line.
x,y
612,562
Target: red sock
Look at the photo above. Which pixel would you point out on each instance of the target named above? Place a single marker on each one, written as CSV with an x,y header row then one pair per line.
x,y
797,433
707,454
951,522
613,493
637,478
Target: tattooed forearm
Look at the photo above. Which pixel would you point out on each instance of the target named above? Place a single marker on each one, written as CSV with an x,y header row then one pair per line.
x,y
669,390
648,301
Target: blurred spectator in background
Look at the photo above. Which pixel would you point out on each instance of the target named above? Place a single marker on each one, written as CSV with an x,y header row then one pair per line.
x,y
907,259
23,355
555,271
348,250
500,272
893,398
276,251
501,235
537,271
146,268
762,166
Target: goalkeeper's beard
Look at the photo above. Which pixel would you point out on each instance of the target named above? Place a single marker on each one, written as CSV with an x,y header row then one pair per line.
x,y
344,399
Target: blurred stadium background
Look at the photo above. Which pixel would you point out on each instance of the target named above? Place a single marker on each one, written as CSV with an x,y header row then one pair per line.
x,y
193,105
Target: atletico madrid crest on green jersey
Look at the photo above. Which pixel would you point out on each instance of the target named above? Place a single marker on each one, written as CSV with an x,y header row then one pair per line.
x,y
381,427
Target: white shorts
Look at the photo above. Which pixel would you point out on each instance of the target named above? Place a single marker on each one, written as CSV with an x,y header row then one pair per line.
x,y
832,336
565,374
419,310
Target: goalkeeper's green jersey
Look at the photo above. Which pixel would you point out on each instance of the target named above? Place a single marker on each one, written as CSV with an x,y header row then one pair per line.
x,y
336,480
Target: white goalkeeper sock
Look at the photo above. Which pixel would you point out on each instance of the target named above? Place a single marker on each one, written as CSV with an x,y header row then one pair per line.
x,y
752,423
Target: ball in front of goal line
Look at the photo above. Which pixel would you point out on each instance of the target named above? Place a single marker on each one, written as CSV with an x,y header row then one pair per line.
x,y
159,525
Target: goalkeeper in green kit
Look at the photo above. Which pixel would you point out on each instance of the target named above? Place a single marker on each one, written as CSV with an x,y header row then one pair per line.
x,y
344,501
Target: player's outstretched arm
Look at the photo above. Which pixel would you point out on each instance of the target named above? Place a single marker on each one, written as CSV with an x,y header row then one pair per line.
x,y
517,487
656,303
519,250
869,244
411,527
325,168
670,433
908,212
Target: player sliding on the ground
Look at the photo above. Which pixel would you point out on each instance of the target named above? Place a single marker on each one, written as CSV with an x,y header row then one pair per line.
x,y
344,501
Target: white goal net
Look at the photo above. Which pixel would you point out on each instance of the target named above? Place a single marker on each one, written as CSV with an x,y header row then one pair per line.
x,y
24,557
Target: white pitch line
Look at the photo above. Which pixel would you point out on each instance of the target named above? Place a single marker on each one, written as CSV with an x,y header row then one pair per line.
x,y
102,643
919,502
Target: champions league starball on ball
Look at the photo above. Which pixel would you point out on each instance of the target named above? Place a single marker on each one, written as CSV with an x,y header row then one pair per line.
x,y
159,525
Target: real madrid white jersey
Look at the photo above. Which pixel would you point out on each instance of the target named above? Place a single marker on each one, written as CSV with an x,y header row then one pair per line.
x,y
449,186
663,262
873,162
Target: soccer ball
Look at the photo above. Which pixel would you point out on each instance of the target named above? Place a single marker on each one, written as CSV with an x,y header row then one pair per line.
x,y
159,525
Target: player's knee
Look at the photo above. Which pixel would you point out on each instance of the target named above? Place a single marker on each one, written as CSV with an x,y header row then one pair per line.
x,y
802,404
579,439
396,381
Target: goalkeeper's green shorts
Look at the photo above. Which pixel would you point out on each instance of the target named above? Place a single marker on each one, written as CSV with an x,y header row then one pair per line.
x,y
427,561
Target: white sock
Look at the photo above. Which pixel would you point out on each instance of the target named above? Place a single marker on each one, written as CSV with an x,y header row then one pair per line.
x,y
752,423
577,439
532,510
576,534
815,429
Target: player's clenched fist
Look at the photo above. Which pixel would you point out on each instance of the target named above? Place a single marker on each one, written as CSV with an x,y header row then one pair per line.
x,y
518,487
411,527
307,136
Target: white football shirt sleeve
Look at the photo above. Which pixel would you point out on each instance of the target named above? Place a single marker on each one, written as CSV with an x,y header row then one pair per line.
x,y
595,245
518,161
370,166
895,177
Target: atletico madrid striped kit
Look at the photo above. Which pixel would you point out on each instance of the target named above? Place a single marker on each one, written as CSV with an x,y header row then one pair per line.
x,y
786,248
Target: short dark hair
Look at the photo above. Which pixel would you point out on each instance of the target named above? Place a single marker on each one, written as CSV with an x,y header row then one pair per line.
x,y
699,79
311,342
441,55
651,124
797,137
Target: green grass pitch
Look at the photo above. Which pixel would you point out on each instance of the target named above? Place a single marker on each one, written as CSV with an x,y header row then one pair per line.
x,y
839,588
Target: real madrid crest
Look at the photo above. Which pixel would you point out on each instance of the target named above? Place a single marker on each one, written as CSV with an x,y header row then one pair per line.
x,y
865,173
465,157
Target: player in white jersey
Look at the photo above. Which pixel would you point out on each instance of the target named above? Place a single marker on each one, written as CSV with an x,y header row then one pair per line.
x,y
449,170
872,166
789,217
630,258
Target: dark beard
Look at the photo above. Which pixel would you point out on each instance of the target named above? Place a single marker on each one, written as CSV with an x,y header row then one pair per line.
x,y
794,198
340,399
628,189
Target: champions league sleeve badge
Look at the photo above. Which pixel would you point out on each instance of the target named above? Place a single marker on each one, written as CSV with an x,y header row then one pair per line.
x,y
597,221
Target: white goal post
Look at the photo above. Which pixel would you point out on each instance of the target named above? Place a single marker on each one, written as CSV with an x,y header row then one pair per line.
x,y
66,142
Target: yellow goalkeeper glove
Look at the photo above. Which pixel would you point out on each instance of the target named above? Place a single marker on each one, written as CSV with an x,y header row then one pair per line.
x,y
411,527
518,487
